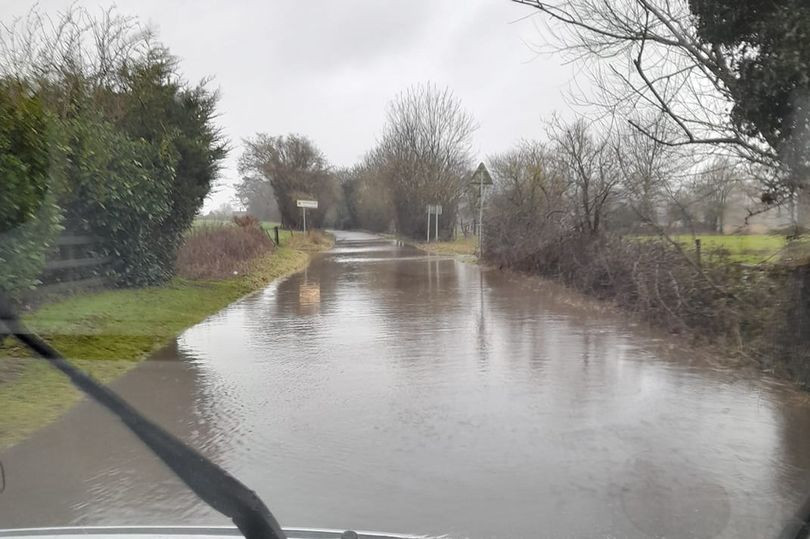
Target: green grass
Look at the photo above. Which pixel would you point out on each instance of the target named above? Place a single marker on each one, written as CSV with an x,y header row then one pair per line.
x,y
460,246
748,249
108,332
210,222
283,234
745,249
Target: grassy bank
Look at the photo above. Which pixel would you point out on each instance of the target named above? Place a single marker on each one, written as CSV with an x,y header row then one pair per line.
x,y
284,234
465,247
108,332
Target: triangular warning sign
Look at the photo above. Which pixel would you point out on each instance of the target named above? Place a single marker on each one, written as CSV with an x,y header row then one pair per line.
x,y
481,175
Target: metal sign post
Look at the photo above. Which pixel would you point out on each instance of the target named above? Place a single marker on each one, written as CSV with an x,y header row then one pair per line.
x,y
304,204
427,229
435,209
481,177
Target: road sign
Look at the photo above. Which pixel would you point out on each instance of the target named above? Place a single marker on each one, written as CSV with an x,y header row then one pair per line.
x,y
481,176
304,204
433,209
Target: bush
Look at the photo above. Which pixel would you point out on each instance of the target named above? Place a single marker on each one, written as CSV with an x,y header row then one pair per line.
x,y
185,146
246,221
118,191
29,216
761,312
219,251
138,148
137,174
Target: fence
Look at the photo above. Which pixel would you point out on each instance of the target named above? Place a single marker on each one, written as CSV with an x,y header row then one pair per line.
x,y
76,262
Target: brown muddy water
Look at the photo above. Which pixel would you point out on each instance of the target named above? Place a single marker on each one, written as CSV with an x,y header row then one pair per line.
x,y
385,388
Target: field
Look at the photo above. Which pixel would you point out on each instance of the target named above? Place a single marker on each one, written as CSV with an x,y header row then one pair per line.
x,y
745,249
284,234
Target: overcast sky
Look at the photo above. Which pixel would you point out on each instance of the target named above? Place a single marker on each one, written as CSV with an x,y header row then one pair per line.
x,y
327,68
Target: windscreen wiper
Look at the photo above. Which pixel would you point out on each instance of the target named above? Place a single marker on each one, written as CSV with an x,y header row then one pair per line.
x,y
209,482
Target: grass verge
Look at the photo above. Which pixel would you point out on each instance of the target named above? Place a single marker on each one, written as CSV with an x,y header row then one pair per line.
x,y
465,247
109,332
284,234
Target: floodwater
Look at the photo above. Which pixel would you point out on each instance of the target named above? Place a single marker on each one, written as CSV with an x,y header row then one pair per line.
x,y
385,388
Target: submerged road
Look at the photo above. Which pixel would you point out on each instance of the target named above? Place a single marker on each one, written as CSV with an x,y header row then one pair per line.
x,y
389,389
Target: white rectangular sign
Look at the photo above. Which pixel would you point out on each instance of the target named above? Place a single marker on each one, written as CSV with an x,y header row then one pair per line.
x,y
435,209
307,203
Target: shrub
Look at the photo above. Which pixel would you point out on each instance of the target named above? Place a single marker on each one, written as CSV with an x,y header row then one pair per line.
x,y
118,190
29,216
186,148
246,221
138,148
761,312
138,173
218,251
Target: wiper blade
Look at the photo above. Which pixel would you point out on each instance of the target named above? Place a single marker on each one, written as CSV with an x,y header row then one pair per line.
x,y
209,482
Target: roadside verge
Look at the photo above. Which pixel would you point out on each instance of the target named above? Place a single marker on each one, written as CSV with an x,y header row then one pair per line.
x,y
463,248
107,333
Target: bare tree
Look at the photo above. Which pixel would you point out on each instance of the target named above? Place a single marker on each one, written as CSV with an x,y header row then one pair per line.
x,y
654,56
650,171
75,50
425,154
590,167
715,185
529,174
529,205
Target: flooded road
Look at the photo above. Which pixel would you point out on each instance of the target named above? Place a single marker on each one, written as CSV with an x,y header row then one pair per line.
x,y
388,389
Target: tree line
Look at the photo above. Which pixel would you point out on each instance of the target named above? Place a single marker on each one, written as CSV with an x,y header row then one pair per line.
x,y
100,135
694,101
422,157
597,177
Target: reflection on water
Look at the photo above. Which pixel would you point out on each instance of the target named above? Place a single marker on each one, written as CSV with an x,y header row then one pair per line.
x,y
309,295
386,388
